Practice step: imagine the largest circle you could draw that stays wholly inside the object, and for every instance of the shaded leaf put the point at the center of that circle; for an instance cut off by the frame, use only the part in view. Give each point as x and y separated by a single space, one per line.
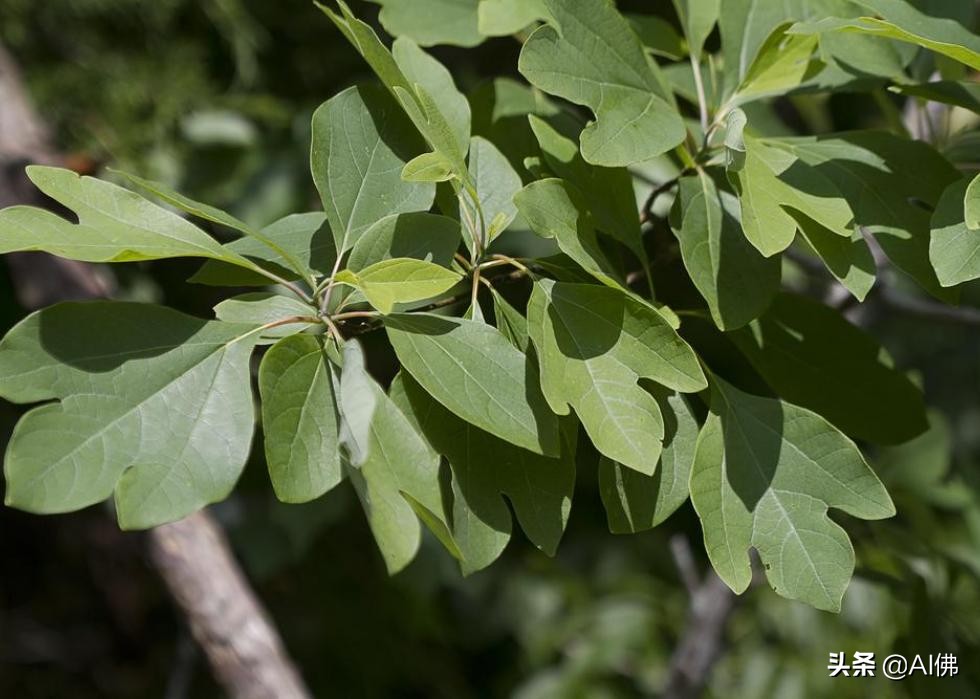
476 373
263 307
149 404
811 356
634 501
556 209
737 282
306 236
361 142
591 56
848 259
300 419
421 236
955 247
594 344
484 470
393 469
897 19
608 192
765 473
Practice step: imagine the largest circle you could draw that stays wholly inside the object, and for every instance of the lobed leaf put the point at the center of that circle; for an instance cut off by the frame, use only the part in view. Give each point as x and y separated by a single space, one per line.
589 55
765 473
149 404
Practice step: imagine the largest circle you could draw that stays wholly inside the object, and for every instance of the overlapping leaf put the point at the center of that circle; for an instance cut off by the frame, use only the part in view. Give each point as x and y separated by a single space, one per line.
634 501
734 278
898 19
114 225
813 357
477 374
361 142
399 280
594 344
486 468
393 469
955 247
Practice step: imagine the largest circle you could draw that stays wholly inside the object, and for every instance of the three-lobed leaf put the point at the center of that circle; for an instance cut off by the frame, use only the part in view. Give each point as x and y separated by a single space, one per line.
765 473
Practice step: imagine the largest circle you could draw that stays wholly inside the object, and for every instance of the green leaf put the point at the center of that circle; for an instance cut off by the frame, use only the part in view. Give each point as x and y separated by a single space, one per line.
698 18
783 63
300 419
955 247
496 184
431 22
423 93
960 94
305 236
506 17
114 224
361 142
476 373
510 322
594 344
400 280
971 204
223 218
557 209
848 259
428 167
765 473
773 185
635 502
394 471
886 180
658 36
608 192
747 24
263 307
737 282
897 19
429 76
485 469
811 356
148 403
591 56
421 236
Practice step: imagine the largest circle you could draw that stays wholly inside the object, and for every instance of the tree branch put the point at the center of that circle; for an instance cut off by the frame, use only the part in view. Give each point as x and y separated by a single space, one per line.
700 645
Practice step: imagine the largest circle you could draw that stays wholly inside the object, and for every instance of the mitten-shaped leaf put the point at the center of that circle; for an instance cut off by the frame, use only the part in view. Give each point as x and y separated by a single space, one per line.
150 404
765 473
590 55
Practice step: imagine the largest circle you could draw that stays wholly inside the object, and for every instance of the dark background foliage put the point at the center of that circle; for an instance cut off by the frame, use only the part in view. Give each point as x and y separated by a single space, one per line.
216 96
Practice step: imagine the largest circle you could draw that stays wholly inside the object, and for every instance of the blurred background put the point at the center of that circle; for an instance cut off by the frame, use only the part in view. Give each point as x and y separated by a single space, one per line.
215 97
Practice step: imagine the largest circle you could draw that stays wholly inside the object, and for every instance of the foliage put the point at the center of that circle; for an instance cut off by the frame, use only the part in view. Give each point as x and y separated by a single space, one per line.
503 356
